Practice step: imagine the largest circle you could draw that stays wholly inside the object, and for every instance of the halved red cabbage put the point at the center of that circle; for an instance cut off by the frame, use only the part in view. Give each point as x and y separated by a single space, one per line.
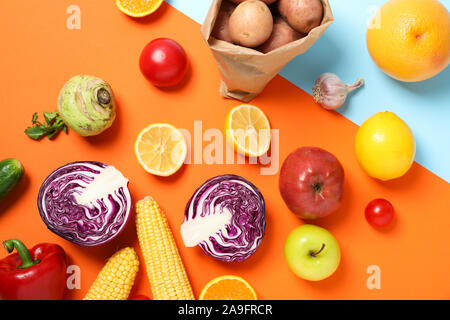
87 203
226 218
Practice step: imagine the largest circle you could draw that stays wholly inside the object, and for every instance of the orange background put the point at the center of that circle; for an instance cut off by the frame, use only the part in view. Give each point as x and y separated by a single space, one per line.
39 54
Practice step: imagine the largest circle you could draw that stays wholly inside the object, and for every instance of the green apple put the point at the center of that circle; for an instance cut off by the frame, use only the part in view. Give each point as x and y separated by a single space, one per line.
312 252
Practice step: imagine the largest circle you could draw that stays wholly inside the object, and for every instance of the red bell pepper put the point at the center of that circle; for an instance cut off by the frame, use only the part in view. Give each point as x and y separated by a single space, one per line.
38 274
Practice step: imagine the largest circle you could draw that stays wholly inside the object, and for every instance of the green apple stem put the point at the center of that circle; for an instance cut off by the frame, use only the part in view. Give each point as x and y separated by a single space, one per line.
315 254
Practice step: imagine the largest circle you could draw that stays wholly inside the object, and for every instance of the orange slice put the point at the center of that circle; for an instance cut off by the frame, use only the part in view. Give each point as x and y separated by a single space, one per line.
138 8
228 288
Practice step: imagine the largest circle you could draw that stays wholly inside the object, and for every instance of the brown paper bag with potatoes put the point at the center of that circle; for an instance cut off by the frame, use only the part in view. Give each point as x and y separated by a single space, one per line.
245 72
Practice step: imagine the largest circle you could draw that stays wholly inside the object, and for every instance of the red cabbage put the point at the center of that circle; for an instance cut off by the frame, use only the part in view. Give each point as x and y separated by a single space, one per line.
87 203
226 217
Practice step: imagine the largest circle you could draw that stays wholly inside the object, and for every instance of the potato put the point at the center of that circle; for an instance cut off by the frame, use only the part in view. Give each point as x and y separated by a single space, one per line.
265 1
221 30
302 15
282 34
251 23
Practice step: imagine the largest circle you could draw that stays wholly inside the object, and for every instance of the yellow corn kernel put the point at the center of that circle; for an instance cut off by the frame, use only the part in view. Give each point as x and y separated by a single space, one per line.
115 280
165 269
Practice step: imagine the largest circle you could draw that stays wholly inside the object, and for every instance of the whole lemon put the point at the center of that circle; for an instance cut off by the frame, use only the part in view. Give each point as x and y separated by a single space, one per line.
410 39
385 146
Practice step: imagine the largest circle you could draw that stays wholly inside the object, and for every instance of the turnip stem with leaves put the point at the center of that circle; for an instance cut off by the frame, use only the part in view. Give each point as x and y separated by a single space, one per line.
52 126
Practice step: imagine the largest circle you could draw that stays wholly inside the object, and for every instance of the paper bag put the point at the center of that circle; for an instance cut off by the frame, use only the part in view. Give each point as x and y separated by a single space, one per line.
245 72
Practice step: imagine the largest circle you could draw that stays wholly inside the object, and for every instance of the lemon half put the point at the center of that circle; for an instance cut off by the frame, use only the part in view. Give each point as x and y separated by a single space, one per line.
161 149
248 129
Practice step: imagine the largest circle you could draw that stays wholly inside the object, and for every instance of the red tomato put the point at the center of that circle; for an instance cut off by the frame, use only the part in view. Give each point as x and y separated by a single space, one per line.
139 297
163 62
379 213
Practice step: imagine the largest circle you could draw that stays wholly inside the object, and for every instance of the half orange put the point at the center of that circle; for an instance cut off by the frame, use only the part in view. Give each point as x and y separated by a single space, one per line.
138 8
228 287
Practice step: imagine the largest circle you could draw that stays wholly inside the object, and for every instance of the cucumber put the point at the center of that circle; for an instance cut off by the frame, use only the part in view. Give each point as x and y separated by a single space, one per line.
11 171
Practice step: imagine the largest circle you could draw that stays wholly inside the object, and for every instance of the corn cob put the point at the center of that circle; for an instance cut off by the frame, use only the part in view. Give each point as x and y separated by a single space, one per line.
165 269
115 280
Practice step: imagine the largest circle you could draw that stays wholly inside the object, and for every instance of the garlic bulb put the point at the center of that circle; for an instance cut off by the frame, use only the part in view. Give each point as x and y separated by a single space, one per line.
86 105
331 92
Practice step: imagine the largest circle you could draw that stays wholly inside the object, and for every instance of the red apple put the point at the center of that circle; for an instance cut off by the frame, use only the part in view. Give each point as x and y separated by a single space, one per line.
311 182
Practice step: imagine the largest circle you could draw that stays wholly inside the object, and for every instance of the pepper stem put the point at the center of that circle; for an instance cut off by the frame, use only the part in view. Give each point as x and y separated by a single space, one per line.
356 85
23 252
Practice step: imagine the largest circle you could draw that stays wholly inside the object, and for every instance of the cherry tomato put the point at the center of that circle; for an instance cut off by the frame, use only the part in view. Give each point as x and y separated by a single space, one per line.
163 62
379 213
139 297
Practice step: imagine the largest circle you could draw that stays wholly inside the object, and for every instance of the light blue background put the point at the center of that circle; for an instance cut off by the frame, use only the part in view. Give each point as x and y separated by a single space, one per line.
425 106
